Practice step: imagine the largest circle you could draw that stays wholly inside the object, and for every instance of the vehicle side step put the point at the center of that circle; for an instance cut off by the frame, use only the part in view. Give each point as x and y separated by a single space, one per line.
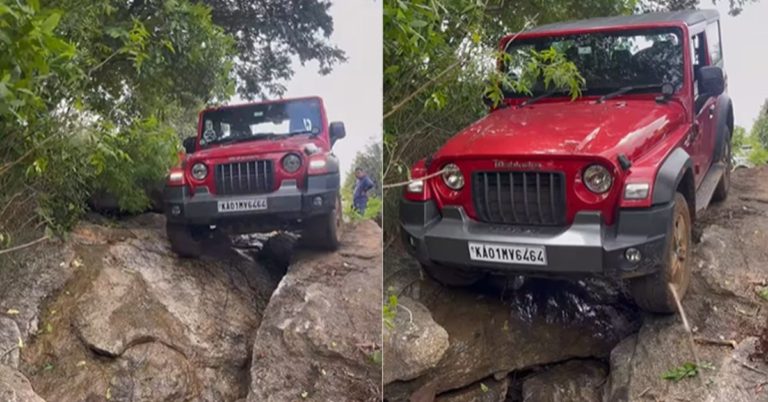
708 186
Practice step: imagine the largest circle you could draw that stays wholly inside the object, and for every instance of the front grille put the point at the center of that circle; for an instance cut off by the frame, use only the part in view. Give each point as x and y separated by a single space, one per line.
521 198
253 177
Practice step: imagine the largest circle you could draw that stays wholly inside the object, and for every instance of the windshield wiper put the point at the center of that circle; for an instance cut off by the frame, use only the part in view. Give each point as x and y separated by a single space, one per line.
628 88
540 97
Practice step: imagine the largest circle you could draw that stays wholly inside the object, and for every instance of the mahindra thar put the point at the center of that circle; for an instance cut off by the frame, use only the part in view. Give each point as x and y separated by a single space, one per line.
257 167
607 185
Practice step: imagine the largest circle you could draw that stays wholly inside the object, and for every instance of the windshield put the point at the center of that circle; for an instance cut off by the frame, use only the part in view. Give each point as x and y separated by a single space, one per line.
610 60
261 121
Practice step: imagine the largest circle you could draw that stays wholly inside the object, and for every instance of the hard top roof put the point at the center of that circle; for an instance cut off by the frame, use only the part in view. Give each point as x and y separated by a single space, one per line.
688 17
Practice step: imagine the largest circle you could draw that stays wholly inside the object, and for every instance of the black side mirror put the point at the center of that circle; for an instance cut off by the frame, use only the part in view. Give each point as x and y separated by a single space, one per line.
189 144
711 81
337 131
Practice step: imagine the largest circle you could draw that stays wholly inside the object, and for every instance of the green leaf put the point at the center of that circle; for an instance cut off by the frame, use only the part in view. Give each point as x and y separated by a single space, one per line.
762 293
51 23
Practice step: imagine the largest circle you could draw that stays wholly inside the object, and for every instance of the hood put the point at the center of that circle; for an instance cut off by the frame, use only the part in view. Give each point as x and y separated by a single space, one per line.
582 127
257 147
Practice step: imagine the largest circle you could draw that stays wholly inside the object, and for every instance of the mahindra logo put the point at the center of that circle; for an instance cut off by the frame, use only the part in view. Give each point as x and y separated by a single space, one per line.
240 158
516 165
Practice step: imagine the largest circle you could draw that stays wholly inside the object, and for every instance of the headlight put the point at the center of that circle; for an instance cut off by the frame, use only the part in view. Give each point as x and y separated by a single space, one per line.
199 171
636 191
453 177
597 179
291 163
416 186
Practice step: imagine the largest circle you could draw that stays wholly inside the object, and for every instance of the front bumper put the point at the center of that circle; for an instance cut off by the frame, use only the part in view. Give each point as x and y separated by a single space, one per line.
287 204
586 247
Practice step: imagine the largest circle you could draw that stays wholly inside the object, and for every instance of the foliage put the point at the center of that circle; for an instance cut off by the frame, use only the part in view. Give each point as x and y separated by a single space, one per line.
735 6
270 34
762 293
389 311
687 370
760 127
738 138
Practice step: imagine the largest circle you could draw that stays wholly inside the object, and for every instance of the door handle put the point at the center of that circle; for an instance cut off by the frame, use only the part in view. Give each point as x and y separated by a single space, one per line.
712 111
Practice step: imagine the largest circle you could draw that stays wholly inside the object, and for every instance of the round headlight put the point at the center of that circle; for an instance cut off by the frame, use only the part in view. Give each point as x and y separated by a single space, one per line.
453 177
597 179
291 163
199 171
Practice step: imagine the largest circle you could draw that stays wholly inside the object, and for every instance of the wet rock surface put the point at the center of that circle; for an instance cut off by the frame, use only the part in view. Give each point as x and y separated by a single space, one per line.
321 332
111 314
532 336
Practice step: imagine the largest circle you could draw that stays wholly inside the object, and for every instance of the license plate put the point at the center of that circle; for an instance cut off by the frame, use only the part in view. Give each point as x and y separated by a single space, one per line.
508 254
251 204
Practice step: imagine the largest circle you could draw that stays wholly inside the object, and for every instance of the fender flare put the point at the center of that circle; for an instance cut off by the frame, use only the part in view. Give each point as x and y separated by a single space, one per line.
724 124
669 176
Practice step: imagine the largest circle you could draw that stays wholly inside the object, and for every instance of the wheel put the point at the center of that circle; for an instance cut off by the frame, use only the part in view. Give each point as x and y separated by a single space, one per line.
324 232
186 240
651 293
721 191
452 276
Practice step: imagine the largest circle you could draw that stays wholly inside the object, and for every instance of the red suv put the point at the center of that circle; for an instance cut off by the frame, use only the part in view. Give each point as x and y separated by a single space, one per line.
257 167
608 184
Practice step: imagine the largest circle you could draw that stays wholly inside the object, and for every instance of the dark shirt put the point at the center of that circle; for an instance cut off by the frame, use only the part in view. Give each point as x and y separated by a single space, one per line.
362 185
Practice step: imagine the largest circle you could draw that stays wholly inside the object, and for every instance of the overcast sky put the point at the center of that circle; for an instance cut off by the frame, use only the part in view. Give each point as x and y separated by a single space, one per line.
353 91
745 51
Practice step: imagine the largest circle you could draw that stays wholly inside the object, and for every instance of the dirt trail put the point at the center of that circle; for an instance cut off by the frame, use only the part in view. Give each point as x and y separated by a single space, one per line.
555 340
111 314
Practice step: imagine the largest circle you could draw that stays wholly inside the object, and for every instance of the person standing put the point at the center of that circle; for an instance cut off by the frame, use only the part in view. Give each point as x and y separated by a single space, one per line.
363 184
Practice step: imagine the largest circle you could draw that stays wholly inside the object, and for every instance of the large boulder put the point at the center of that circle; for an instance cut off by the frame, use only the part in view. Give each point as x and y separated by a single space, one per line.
321 332
413 344
136 323
14 387
494 333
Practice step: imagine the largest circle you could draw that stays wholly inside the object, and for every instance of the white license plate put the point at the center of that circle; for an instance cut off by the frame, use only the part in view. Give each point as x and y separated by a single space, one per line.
508 254
250 204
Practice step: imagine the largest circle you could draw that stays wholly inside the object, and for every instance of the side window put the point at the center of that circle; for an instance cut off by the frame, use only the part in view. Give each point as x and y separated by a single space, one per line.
699 58
713 42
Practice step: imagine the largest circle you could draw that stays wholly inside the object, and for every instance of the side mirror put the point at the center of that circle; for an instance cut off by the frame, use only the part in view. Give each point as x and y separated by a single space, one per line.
337 131
189 144
711 81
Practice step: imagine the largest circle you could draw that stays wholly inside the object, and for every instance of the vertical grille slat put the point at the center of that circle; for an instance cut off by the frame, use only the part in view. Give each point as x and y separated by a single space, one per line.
240 178
520 197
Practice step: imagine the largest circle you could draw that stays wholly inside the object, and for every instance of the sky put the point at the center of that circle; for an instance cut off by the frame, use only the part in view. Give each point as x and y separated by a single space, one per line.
745 52
352 92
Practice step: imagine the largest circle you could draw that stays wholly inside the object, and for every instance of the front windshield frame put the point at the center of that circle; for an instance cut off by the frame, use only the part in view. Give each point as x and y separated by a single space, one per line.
261 121
544 41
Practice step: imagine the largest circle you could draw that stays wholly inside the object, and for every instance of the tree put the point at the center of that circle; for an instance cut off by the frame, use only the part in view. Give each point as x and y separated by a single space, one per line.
270 33
760 127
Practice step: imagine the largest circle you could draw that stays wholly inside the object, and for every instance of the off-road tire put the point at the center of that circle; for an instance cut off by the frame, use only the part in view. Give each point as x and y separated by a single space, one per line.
186 240
721 191
651 293
324 232
452 277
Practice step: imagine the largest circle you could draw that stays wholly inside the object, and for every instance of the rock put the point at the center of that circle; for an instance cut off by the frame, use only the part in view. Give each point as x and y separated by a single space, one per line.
543 323
575 380
134 319
322 328
488 390
14 387
9 342
414 345
152 372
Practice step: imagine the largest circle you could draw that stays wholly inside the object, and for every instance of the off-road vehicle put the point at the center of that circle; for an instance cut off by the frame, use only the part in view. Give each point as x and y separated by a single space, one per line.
257 167
608 184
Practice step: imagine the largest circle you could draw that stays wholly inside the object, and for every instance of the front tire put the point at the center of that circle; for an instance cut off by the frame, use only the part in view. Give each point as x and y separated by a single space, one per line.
186 240
452 277
651 293
324 232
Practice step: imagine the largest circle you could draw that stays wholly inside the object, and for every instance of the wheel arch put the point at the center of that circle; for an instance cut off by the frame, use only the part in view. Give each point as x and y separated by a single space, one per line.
675 175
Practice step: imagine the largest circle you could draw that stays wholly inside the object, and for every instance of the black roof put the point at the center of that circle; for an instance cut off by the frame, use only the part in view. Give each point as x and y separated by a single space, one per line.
688 17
